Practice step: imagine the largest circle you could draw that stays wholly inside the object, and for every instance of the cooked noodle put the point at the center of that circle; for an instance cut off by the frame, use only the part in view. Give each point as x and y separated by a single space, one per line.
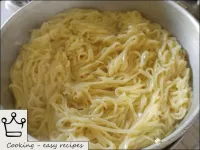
111 78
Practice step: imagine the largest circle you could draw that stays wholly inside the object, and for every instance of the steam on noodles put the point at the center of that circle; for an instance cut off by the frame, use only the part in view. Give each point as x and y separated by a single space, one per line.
111 78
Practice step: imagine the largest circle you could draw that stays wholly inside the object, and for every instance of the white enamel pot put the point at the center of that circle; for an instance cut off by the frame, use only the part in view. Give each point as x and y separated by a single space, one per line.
170 15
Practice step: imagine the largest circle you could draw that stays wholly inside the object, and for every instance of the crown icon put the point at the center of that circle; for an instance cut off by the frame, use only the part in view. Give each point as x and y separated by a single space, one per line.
13 128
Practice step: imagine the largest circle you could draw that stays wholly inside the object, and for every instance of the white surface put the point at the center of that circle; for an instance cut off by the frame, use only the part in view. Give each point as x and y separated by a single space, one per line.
7 10
191 138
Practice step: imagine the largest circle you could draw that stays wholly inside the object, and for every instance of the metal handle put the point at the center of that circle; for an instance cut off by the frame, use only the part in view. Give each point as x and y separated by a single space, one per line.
20 3
191 6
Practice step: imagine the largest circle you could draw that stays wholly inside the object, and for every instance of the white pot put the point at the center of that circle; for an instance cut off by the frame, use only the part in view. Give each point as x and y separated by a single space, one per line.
167 13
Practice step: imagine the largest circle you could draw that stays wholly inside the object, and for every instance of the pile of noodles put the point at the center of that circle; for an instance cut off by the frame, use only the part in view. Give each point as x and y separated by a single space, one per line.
111 78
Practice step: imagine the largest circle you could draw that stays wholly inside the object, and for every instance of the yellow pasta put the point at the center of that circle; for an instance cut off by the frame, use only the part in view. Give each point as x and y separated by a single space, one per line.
114 79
